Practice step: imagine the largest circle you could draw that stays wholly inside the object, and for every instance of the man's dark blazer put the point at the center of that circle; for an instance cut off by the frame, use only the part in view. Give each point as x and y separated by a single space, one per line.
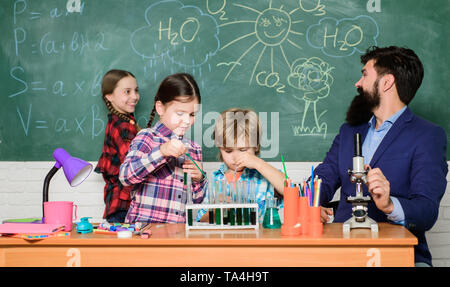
412 156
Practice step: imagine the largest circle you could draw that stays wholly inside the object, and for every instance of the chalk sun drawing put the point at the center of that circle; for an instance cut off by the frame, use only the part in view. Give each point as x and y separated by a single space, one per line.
273 29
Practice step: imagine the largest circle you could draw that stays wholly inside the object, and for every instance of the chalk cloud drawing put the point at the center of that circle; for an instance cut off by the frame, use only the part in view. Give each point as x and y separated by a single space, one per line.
312 78
343 37
186 35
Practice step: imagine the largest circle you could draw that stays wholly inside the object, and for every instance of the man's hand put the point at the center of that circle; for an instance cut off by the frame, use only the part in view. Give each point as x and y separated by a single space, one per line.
325 214
379 188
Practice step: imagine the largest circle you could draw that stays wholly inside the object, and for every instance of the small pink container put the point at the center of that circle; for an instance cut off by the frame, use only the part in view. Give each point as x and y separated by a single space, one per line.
60 212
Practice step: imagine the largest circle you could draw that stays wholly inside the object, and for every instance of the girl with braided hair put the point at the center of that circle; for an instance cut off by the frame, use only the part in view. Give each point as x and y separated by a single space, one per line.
156 161
121 94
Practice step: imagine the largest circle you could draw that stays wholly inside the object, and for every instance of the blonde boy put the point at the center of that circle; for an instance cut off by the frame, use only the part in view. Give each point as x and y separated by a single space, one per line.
237 134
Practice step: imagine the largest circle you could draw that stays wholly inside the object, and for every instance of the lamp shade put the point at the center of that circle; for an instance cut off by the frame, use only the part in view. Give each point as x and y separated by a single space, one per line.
75 169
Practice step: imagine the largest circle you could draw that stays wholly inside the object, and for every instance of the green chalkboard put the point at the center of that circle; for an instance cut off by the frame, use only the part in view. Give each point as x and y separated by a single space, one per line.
295 62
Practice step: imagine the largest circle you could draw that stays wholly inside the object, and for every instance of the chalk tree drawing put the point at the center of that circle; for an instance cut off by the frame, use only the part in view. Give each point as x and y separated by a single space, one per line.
312 77
187 36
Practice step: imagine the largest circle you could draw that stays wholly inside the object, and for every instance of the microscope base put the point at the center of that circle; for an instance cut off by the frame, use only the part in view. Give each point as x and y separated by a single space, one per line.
367 223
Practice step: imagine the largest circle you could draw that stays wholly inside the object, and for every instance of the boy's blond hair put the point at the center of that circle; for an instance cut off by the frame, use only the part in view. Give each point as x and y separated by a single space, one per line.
238 127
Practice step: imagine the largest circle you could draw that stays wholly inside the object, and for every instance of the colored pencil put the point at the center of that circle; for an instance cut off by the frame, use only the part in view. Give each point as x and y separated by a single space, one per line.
284 167
317 196
312 186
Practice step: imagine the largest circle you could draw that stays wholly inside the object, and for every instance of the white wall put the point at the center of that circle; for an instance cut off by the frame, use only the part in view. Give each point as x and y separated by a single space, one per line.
22 183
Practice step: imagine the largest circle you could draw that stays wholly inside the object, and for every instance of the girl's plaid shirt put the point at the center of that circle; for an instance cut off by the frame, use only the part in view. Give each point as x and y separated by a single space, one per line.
159 196
118 136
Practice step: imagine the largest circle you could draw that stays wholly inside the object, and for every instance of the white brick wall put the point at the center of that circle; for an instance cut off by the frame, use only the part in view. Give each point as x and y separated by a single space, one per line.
22 183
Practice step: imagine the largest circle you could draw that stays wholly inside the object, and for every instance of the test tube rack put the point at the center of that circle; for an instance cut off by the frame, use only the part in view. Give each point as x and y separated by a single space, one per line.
222 207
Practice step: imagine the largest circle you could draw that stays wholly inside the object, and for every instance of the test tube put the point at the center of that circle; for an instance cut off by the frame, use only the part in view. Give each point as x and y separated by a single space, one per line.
232 199
188 189
238 188
211 194
245 195
252 199
226 199
217 200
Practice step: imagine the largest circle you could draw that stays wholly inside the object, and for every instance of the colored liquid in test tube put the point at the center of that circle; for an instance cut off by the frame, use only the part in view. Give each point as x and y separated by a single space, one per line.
229 199
238 190
252 199
226 199
188 188
217 200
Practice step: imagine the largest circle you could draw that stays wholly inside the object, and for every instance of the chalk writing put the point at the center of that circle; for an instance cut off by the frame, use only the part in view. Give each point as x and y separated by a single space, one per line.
89 124
58 87
177 35
48 43
341 38
218 11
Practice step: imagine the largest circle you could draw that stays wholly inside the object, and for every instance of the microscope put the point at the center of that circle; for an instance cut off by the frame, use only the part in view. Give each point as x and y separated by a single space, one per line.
358 175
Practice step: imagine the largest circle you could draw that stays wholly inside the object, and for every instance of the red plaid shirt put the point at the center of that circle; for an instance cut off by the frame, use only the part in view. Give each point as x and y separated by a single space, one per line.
118 136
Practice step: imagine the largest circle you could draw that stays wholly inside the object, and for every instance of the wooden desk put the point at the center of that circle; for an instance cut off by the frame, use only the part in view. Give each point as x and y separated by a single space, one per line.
171 246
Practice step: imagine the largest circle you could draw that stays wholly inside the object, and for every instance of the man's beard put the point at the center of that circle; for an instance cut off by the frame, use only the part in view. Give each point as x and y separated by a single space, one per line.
362 106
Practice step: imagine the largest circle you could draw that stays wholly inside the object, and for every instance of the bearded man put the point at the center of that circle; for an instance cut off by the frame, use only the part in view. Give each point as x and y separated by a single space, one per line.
405 154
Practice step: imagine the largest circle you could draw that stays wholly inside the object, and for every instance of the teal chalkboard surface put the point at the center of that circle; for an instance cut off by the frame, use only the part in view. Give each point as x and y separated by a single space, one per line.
295 62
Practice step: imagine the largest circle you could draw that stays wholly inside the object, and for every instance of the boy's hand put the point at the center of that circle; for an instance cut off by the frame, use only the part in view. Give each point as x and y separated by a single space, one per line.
190 168
248 160
173 148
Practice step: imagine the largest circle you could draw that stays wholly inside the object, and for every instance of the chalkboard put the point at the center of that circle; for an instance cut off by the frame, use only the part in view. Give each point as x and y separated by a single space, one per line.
294 62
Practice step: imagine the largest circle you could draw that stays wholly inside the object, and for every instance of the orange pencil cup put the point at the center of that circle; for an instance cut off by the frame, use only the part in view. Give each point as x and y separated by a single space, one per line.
290 225
315 226
303 214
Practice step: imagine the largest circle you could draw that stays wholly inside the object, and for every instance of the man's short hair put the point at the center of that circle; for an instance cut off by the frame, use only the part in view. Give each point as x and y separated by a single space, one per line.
402 63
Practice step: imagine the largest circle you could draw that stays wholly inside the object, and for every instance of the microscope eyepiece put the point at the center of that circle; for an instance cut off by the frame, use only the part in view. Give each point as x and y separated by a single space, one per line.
358 145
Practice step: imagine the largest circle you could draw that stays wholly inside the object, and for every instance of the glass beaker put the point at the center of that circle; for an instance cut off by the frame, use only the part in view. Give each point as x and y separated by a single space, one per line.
271 216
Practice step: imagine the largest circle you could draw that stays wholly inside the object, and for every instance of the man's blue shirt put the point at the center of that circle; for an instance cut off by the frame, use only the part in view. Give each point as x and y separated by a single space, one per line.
371 142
